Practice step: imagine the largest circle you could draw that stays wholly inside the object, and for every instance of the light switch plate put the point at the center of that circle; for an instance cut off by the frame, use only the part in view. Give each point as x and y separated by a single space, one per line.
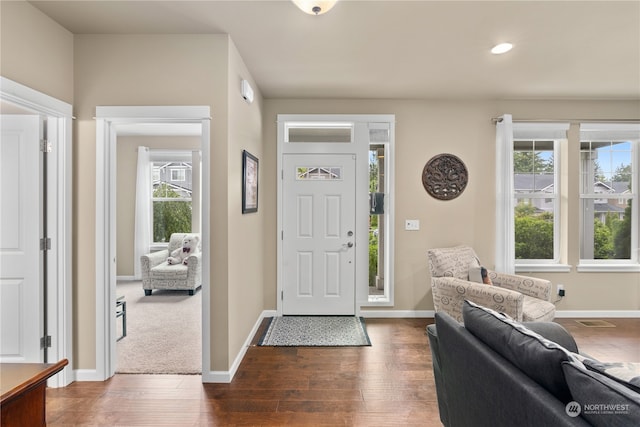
412 224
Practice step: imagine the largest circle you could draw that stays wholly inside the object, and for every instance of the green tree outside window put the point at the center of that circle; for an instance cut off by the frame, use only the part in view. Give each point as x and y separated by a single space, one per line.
169 216
533 233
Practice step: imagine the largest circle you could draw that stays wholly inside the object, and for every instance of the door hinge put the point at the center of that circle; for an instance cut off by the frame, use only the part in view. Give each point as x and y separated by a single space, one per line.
281 295
45 146
282 235
45 244
45 342
281 173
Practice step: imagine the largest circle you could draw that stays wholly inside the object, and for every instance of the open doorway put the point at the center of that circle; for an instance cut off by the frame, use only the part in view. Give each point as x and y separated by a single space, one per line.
158 329
113 123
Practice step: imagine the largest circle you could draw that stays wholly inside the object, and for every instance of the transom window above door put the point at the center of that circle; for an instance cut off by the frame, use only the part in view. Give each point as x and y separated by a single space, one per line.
300 132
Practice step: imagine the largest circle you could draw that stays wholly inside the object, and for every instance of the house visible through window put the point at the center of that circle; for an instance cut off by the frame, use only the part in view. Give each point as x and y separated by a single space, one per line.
171 197
608 192
536 207
178 174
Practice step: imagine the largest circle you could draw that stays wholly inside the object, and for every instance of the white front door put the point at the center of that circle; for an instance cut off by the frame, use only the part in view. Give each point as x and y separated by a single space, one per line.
20 278
319 215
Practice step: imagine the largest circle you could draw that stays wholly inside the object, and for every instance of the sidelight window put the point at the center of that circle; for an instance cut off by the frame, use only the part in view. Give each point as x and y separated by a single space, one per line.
380 227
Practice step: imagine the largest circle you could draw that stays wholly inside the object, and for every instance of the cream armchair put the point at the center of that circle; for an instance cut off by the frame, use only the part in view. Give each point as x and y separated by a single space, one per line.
525 299
158 274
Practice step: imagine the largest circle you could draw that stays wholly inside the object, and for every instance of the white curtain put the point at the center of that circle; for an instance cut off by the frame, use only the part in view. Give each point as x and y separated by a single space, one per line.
142 240
505 246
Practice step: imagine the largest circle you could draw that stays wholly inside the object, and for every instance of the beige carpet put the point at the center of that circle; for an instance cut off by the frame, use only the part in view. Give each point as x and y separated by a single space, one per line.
163 332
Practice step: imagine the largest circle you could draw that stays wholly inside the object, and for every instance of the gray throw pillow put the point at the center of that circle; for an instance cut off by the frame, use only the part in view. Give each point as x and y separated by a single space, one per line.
539 358
554 332
627 374
603 402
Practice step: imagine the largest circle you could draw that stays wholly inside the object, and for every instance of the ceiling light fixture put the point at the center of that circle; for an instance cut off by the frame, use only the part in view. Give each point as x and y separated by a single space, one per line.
315 7
501 48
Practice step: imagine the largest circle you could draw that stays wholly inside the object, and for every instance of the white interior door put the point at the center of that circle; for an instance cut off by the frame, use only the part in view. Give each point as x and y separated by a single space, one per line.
319 214
20 281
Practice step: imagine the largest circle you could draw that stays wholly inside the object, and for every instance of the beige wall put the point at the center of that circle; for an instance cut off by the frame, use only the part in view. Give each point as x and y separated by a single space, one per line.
127 161
134 70
247 232
36 51
464 128
162 70
151 70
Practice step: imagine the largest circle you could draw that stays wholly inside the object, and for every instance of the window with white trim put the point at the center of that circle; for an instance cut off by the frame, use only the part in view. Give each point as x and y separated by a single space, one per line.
537 201
380 213
171 194
536 190
609 163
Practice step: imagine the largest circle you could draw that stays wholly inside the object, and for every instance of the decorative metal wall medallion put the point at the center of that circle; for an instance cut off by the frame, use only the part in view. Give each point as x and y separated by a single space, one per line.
445 176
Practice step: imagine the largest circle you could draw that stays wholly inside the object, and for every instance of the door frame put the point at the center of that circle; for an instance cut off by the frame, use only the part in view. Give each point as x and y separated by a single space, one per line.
360 148
59 115
107 120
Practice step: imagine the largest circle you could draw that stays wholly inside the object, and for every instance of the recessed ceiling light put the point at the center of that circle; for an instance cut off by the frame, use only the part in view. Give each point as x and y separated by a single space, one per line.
501 48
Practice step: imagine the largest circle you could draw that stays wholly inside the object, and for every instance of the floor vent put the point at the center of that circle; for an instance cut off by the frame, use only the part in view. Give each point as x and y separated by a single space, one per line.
596 323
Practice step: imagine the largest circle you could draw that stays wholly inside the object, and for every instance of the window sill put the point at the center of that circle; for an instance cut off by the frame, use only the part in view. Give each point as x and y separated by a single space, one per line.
539 268
608 268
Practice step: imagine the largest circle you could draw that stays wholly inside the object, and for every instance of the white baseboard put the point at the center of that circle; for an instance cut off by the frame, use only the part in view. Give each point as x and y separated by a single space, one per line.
126 278
598 313
221 377
87 375
397 314
227 376
62 378
411 314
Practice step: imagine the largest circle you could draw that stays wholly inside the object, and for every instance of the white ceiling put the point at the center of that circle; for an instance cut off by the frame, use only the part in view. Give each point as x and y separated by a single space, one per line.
402 49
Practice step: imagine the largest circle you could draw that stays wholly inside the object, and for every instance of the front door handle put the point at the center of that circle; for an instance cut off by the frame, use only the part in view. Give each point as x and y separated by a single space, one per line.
346 246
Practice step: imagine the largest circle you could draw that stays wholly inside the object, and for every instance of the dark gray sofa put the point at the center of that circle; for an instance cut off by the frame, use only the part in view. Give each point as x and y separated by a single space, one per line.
492 371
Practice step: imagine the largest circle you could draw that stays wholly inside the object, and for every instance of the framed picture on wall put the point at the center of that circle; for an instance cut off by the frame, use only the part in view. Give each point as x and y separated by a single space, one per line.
249 182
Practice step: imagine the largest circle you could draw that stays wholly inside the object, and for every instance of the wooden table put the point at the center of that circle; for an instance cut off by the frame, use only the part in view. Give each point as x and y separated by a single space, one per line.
23 392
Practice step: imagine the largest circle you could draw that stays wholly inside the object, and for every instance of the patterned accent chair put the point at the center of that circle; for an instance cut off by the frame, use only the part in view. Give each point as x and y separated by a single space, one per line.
524 299
157 274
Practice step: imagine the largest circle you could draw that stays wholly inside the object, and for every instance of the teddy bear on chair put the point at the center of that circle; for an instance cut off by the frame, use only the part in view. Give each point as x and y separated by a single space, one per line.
190 244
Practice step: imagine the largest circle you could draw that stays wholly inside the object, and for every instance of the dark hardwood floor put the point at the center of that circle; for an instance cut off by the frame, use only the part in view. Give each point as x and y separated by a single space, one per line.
388 384
620 343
